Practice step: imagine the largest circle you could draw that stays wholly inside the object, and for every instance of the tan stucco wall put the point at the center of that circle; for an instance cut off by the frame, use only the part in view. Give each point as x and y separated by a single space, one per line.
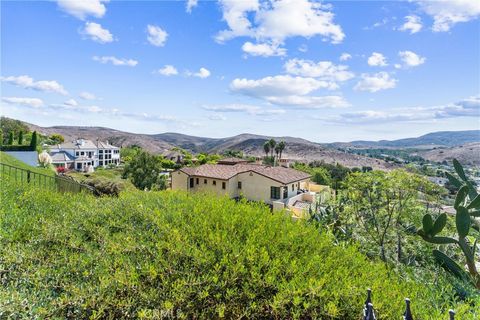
179 181
209 186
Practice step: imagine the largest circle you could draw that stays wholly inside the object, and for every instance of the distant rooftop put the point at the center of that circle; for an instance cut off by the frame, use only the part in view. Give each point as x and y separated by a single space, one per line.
84 144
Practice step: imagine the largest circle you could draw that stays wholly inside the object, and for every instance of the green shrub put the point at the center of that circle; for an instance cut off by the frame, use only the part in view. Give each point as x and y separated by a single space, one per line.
148 254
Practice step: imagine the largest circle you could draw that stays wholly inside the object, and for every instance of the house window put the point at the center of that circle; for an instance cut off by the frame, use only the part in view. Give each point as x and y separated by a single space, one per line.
198 180
293 187
82 153
100 151
275 192
298 185
214 182
77 153
191 182
101 163
204 181
224 185
239 184
285 192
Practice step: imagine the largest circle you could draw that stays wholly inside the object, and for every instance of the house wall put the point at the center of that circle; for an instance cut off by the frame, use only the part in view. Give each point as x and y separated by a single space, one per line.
210 187
256 187
179 181
29 157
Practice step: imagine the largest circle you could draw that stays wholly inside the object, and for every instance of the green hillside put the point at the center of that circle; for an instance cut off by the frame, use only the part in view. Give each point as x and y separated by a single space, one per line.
147 254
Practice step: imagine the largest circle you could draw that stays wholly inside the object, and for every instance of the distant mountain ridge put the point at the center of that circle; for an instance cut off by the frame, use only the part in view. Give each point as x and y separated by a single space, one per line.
297 148
433 139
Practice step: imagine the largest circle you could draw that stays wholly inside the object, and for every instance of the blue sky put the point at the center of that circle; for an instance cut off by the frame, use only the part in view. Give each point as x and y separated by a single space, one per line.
322 70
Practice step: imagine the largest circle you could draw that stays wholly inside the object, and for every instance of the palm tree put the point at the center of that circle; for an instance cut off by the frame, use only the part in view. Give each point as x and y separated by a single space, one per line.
277 150
281 146
272 144
266 148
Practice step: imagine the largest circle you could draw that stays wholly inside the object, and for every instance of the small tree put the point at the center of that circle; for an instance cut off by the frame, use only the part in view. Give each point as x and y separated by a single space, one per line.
20 138
272 144
57 138
1 138
10 138
281 147
145 171
266 148
34 142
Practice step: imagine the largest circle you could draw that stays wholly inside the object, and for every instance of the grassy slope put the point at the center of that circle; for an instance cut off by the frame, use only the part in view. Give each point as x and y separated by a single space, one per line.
194 255
8 159
113 175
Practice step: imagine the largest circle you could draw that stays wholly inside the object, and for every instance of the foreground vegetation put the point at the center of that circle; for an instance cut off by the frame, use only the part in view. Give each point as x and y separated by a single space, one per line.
148 254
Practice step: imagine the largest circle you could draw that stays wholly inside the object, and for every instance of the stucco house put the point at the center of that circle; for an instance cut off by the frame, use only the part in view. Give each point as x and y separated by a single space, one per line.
276 186
83 154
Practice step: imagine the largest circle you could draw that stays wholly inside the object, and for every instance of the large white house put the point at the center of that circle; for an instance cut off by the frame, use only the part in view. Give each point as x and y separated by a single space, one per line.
84 154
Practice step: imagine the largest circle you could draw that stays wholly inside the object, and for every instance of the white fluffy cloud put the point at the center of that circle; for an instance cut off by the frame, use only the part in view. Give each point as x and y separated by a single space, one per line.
116 61
377 60
411 59
202 73
245 108
375 82
167 70
263 49
191 4
28 102
96 32
27 82
217 117
287 90
275 21
325 70
83 8
345 56
71 102
413 24
156 35
446 14
87 95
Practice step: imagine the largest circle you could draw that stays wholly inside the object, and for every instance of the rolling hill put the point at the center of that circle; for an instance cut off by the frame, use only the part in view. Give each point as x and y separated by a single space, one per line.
437 146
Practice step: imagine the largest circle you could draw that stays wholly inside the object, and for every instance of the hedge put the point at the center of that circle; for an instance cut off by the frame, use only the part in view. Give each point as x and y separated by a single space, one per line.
17 148
148 255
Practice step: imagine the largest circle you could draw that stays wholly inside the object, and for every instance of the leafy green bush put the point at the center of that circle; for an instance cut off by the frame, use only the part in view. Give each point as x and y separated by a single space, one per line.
152 254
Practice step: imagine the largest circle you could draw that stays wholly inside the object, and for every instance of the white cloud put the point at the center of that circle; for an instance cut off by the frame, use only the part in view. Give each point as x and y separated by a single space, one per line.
27 82
96 32
87 95
217 117
281 85
156 35
71 102
324 70
202 73
411 59
413 24
167 70
377 59
83 8
263 49
469 107
116 61
345 56
245 108
191 4
375 82
278 20
28 102
311 102
448 13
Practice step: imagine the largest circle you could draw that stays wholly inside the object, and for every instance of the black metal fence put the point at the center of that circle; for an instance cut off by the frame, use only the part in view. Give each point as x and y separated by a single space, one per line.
56 182
369 311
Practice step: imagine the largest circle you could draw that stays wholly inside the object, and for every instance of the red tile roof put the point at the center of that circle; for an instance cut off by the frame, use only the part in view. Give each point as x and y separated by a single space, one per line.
225 172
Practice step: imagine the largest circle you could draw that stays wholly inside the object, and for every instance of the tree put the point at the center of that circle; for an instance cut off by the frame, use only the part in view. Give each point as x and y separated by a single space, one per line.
1 138
266 148
272 144
10 138
8 125
277 150
34 142
145 171
20 138
281 146
321 176
56 138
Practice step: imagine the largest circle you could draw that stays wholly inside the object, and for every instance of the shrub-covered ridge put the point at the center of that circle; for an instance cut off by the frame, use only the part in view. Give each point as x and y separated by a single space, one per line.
154 254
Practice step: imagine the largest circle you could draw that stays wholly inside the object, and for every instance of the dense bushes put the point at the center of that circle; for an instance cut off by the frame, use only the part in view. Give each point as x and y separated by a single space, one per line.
147 254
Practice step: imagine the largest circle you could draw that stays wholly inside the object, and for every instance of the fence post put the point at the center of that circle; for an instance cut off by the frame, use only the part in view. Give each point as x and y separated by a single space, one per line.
408 313
28 176
452 314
